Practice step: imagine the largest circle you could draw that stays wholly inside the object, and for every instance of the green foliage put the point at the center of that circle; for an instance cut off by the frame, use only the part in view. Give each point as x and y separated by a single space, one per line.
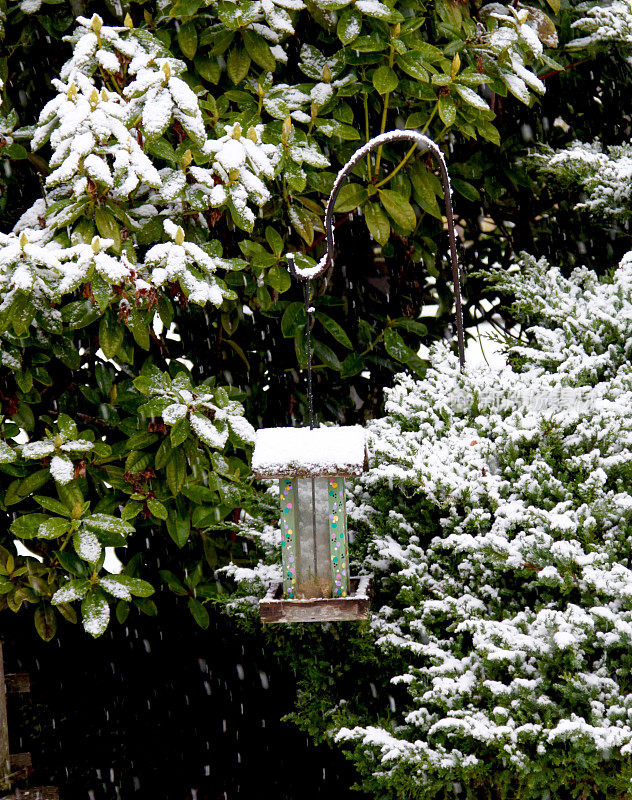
181 155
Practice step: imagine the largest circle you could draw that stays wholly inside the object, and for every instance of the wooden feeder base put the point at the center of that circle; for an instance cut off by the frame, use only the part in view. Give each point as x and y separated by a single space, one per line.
355 607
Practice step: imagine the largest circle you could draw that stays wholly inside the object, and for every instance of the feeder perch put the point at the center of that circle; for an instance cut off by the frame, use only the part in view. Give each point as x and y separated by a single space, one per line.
311 466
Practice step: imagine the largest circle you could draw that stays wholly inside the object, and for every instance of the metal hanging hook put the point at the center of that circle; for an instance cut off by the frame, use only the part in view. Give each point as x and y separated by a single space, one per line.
309 273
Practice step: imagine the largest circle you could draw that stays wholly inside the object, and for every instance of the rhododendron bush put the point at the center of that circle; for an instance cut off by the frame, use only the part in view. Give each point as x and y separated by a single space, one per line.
182 151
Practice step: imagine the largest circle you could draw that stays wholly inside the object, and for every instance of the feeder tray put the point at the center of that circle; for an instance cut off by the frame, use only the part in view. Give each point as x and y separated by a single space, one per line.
273 608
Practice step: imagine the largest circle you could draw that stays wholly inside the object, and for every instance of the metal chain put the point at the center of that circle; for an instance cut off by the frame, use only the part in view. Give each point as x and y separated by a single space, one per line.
308 347
310 404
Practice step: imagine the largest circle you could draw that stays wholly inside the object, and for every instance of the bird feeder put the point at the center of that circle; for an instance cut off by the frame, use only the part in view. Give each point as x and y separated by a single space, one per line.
312 463
311 466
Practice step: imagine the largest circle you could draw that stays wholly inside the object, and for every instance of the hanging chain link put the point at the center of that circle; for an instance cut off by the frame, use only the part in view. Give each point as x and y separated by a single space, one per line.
308 347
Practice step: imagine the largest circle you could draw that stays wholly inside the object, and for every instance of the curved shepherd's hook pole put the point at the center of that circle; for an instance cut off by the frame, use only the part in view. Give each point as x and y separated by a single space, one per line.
309 273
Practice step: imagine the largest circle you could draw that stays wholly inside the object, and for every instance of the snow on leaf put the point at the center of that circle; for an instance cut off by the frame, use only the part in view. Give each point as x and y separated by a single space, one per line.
174 412
53 528
7 453
190 266
87 546
208 432
62 469
38 449
115 588
95 613
77 446
73 590
240 426
106 523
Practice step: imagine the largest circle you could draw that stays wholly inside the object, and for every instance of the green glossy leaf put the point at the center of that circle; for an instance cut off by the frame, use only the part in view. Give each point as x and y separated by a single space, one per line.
466 189
146 606
352 365
411 64
122 611
325 354
385 80
447 109
25 487
178 527
50 504
293 320
395 345
489 131
471 98
106 523
173 583
199 613
333 128
45 622
350 197
302 223
188 39
185 8
111 333
79 314
275 241
27 526
179 432
108 227
7 453
73 590
164 453
399 209
139 328
131 509
411 325
176 471
237 65
377 222
259 51
208 68
332 327
349 25
279 279
136 586
157 509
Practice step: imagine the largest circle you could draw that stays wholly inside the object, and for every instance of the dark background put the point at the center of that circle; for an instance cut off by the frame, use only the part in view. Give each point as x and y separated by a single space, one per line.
160 709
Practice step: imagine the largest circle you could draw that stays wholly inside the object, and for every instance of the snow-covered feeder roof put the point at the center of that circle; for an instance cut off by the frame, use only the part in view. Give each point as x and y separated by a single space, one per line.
301 453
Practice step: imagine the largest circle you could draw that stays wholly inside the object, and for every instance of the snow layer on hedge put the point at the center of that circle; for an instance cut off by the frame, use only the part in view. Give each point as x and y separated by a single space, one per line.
607 23
604 176
499 502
